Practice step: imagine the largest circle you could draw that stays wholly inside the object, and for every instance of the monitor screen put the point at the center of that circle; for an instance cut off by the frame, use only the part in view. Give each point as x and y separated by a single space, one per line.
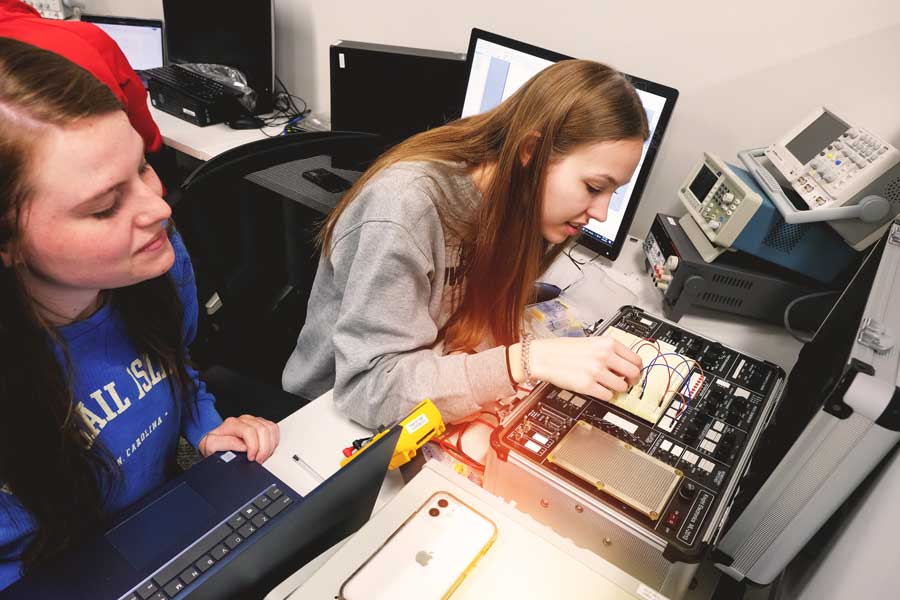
141 40
819 134
498 66
235 33
703 183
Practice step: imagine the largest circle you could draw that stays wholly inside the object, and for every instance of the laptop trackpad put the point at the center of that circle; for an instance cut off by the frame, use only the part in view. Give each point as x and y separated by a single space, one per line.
163 528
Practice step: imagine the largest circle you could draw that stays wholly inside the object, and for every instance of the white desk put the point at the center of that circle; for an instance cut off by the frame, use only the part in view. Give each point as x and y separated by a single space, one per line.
522 546
203 142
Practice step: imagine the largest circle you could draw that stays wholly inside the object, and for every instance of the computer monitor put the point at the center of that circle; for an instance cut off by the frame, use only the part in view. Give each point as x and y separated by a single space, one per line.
141 40
498 66
236 33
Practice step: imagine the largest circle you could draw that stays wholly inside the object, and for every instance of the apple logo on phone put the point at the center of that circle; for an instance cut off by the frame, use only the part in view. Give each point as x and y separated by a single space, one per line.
423 557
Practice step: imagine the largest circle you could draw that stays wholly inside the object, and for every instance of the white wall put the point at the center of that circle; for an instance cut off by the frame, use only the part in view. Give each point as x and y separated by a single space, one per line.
746 71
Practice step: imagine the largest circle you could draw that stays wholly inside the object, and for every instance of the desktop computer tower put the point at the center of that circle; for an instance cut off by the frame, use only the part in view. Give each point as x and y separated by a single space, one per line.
192 108
394 91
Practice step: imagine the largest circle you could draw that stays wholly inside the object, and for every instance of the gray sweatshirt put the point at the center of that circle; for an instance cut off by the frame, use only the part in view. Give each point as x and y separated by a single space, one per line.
379 300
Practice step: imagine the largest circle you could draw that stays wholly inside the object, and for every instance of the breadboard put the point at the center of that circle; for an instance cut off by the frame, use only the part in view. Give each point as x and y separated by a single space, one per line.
650 402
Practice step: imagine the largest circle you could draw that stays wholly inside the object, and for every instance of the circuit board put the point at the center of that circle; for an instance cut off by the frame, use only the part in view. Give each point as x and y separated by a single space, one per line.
701 423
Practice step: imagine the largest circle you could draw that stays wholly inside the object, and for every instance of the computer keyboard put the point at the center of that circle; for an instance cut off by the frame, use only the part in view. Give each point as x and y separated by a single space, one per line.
191 83
173 578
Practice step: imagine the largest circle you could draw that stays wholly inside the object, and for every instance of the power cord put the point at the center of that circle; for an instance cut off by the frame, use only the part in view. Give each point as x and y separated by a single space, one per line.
285 110
792 304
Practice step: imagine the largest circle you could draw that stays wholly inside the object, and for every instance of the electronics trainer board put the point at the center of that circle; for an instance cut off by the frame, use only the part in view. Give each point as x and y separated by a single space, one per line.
646 479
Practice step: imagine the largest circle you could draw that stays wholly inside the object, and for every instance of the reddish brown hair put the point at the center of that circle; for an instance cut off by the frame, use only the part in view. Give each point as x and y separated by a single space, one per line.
565 106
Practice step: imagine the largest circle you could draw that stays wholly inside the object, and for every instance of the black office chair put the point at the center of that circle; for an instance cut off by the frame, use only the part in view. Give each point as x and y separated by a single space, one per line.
255 258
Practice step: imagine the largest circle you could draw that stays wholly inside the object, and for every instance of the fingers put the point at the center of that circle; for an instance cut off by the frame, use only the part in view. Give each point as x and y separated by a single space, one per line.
600 392
267 437
627 353
259 436
213 443
239 427
276 432
608 384
617 370
612 382
625 368
597 366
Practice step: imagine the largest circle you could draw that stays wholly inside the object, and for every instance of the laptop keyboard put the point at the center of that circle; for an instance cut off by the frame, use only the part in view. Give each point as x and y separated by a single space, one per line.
190 83
173 578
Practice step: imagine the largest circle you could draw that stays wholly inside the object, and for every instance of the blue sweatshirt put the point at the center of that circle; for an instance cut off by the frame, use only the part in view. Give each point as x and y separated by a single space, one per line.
127 403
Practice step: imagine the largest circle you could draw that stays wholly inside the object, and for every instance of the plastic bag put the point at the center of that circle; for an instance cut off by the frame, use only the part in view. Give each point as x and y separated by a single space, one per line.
230 77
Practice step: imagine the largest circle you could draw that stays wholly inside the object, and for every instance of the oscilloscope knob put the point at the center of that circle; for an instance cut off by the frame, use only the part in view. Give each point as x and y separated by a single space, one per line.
672 263
713 225
728 198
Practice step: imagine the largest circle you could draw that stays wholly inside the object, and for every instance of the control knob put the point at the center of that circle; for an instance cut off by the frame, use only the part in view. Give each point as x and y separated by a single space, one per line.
687 491
672 263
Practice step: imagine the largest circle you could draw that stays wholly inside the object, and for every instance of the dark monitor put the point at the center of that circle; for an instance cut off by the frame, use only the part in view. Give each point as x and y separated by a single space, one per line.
140 40
498 66
821 367
236 33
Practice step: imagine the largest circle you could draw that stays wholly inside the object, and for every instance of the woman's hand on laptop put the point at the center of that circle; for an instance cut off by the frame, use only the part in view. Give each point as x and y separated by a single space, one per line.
253 435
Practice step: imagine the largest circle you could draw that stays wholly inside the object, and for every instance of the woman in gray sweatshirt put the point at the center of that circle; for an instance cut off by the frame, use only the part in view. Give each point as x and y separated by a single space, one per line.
429 260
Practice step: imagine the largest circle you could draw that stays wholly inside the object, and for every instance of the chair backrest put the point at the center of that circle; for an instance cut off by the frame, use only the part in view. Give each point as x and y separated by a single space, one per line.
253 250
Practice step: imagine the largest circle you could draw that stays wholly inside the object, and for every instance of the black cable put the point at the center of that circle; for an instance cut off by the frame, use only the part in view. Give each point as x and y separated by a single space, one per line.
291 97
578 265
284 110
357 444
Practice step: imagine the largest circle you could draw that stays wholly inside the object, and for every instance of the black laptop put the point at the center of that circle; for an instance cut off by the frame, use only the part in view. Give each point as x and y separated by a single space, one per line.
226 528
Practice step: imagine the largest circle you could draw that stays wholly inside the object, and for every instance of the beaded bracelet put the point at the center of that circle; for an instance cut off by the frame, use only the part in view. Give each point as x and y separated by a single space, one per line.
526 358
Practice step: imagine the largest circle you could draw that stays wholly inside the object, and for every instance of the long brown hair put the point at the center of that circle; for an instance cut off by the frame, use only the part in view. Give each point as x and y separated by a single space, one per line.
44 458
569 104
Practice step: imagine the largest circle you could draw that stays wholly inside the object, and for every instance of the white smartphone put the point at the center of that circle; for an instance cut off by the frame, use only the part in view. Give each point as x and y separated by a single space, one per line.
428 556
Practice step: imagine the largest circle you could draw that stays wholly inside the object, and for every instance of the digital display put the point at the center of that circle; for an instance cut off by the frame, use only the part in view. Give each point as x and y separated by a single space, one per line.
816 137
703 183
